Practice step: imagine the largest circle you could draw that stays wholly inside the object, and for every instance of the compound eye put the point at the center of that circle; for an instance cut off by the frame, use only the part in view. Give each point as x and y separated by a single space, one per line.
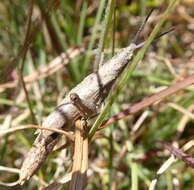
74 97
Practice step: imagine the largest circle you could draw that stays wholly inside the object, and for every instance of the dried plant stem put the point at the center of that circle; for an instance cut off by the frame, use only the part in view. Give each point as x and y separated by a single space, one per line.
84 166
167 164
56 184
149 101
80 158
48 69
15 170
183 122
25 49
182 110
14 129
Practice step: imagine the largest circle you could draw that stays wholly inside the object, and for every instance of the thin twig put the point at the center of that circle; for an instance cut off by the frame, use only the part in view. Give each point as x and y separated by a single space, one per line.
14 129
179 154
149 101
56 184
167 164
25 47
139 122
17 171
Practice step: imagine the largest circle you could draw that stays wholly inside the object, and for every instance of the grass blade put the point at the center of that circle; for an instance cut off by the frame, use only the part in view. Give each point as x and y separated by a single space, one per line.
130 68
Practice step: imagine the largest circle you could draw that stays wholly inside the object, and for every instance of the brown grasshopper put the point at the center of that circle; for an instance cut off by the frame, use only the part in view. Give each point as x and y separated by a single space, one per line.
83 100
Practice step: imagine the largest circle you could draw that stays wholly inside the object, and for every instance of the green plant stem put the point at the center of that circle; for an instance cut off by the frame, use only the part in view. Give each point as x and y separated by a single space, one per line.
26 46
82 22
94 35
130 68
107 21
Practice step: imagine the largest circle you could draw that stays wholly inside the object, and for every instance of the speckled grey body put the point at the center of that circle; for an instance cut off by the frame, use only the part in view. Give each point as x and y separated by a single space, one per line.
92 92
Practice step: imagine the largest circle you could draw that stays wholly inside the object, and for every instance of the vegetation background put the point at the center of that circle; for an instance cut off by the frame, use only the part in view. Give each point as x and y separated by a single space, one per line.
128 154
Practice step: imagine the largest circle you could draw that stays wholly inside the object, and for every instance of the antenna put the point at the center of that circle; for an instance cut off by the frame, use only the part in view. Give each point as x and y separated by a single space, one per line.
157 37
136 37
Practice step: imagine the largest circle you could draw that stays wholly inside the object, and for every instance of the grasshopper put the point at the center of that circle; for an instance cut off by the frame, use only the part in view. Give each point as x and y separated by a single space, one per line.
85 99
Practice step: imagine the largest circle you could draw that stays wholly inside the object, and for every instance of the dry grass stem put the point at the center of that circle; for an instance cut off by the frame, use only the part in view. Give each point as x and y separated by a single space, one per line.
182 110
139 122
80 158
150 100
184 120
46 70
168 163
17 171
14 129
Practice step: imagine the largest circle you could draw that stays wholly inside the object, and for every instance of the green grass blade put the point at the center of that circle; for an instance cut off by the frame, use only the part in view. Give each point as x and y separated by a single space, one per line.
107 21
130 68
82 22
58 31
134 176
94 34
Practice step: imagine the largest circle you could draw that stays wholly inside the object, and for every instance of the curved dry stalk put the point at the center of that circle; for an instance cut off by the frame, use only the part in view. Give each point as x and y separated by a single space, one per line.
14 129
11 170
17 171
